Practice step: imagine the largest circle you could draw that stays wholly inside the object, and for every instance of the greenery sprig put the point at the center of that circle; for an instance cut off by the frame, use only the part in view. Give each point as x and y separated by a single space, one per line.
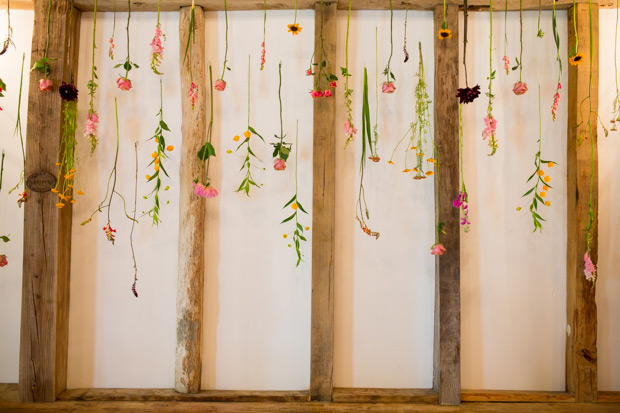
18 131
123 82
324 79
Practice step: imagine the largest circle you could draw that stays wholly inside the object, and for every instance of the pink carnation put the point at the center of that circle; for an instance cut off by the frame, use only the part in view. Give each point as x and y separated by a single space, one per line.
332 84
123 83
279 164
204 191
388 87
220 85
3 260
91 124
438 249
45 85
590 268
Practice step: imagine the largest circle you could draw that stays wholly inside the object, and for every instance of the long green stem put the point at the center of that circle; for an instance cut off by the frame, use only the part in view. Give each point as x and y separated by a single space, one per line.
521 40
226 35
128 18
280 99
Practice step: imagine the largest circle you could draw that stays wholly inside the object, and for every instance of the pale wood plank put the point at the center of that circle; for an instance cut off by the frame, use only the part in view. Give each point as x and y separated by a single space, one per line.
228 396
581 353
516 396
323 221
190 281
363 395
47 230
17 4
447 344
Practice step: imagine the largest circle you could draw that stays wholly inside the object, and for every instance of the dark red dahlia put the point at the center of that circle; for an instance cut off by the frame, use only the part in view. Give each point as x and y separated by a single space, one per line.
68 92
468 94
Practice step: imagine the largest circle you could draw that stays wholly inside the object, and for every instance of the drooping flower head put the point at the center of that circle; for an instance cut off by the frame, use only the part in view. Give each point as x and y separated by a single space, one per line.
123 83
68 92
438 249
590 268
204 191
294 28
388 87
45 85
519 88
220 85
444 34
279 164
576 59
192 93
506 64
468 94
3 260
91 124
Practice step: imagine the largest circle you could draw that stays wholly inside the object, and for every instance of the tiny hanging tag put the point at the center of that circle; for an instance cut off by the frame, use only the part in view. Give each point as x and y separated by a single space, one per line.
40 181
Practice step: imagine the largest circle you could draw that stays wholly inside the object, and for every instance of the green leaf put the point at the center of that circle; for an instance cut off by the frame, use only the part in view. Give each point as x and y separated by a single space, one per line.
528 192
288 219
206 151
4 238
291 201
251 129
301 208
163 125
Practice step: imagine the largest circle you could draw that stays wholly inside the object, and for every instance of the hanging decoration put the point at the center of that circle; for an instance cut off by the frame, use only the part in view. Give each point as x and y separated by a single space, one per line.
295 28
295 204
192 93
506 59
540 32
467 94
263 51
111 40
123 82
520 87
202 183
556 38
374 156
489 121
157 48
438 248
444 32
133 224
615 118
23 196
92 119
574 56
405 40
349 127
4 261
361 208
419 133
43 64
9 32
220 84
324 77
388 85
281 149
461 201
540 177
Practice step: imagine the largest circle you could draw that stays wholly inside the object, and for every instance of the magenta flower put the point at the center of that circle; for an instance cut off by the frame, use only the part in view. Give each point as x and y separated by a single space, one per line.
590 268
519 88
262 56
3 260
204 191
388 87
491 126
279 164
317 93
91 124
327 93
45 85
556 101
123 83
438 249
220 85
193 94
309 72
332 84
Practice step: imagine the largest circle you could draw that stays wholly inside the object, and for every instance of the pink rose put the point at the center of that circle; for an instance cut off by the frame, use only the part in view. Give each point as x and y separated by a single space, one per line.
327 93
279 164
519 88
45 85
123 83
3 260
220 85
332 84
388 87
438 249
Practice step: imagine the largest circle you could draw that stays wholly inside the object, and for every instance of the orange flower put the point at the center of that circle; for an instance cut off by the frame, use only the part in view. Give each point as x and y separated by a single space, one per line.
390 163
543 194
550 164
60 205
576 59
547 179
307 228
406 170
247 134
547 203
294 205
170 148
80 192
154 154
148 177
545 188
540 173
236 138
156 167
54 190
284 235
294 28
429 173
431 160
444 34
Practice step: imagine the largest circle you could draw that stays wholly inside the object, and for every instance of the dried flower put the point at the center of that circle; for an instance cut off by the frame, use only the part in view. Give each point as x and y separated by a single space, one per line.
193 94
111 50
332 84
556 101
109 232
327 93
68 92
262 56
3 260
506 64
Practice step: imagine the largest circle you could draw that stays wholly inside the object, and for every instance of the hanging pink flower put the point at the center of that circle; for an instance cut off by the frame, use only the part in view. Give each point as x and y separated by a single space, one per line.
332 84
317 93
262 56
349 129
91 124
220 85
388 87
590 268
193 94
506 64
519 88
111 50
45 85
309 72
204 191
438 249
556 101
123 83
3 260
279 164
327 93
157 49
491 126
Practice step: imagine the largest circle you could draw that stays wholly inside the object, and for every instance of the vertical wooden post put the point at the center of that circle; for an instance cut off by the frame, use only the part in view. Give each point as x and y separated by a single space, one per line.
447 344
47 229
190 285
323 219
581 364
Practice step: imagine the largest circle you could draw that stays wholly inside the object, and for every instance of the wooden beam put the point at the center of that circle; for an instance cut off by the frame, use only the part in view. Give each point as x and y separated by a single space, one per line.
47 229
169 395
323 219
361 395
447 344
581 357
190 284
516 396
608 397
17 4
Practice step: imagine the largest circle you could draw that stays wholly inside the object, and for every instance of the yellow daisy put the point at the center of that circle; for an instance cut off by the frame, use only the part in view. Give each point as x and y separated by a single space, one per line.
294 28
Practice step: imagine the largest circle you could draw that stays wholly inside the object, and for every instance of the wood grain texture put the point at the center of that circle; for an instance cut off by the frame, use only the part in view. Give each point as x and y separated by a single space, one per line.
447 343
47 230
190 284
609 397
362 395
220 396
581 353
211 5
323 219
516 396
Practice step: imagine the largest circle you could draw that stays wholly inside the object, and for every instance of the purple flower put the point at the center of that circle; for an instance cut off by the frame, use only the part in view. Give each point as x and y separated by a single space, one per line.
468 94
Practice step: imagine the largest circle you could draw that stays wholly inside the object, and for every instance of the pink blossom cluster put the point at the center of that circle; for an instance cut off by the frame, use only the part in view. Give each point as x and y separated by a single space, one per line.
91 124
461 202
388 87
490 127
556 101
111 50
193 94
590 268
262 56
279 164
506 64
3 260
204 191
321 93
349 130
157 49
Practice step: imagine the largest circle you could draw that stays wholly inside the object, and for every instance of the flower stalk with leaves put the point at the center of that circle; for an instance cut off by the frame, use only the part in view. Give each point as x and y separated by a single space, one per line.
466 94
157 48
461 201
23 197
92 119
9 32
556 39
43 64
111 39
444 32
438 248
263 51
349 127
192 93
281 149
489 121
405 38
324 78
202 183
294 28
520 87
123 82
388 85
575 58
220 84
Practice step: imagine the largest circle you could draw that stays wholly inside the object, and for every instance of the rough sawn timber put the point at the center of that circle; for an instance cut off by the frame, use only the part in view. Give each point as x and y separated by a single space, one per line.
323 219
190 285
47 230
581 354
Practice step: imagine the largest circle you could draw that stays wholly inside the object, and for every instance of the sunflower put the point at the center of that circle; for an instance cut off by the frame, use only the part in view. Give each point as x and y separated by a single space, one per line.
444 34
576 59
294 28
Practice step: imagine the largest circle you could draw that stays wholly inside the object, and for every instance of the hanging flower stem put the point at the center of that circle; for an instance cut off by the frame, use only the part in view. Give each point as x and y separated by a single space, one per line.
281 149
506 59
324 71
461 202
133 224
375 133
263 51
405 40
540 32
202 183
92 119
349 127
123 82
18 131
388 85
490 121
43 64
437 248
556 38
157 49
220 84
111 40
9 32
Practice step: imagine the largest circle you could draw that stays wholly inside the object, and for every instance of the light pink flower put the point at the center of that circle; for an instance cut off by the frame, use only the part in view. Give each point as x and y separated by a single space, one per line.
220 85
3 260
123 83
111 50
327 93
204 191
519 88
332 84
506 64
388 87
491 126
193 94
279 164
45 85
91 124
262 56
590 268
556 101
438 249
349 129
157 49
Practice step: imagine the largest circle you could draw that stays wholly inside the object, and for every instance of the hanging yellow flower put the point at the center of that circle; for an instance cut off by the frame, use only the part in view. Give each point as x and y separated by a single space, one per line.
444 34
576 59
294 28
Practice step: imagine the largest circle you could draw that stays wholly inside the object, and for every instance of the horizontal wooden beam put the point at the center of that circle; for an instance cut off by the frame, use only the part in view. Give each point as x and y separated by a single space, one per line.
214 5
516 396
608 397
362 395
168 395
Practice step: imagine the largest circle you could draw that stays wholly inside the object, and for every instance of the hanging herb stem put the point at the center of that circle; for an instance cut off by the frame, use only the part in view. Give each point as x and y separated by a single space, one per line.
92 119
349 127
281 149
9 35
540 32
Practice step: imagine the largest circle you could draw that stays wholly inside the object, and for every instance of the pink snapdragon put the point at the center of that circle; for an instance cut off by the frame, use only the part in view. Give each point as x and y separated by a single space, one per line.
157 49
111 49
193 94
220 85
438 249
506 64
91 124
388 87
123 83
279 164
45 85
556 101
491 126
349 129
590 268
204 191
461 203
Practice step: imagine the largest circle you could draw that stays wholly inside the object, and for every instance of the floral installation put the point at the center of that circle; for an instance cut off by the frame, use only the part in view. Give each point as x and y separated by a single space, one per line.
444 32
616 112
92 119
157 48
540 177
520 87
361 209
556 38
405 39
123 82
323 75
349 127
295 28
374 139
9 32
133 224
248 180
490 122
295 204
43 64
220 84
263 51
159 155
3 258
192 93
388 85
438 248
419 133
67 157
506 59
23 196
108 230
202 183
281 149
111 39
461 201
466 94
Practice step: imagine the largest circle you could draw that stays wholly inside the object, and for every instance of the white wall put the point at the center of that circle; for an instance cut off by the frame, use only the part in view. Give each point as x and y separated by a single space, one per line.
257 304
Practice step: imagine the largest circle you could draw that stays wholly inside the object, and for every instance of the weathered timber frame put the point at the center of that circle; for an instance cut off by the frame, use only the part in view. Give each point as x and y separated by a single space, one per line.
47 240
